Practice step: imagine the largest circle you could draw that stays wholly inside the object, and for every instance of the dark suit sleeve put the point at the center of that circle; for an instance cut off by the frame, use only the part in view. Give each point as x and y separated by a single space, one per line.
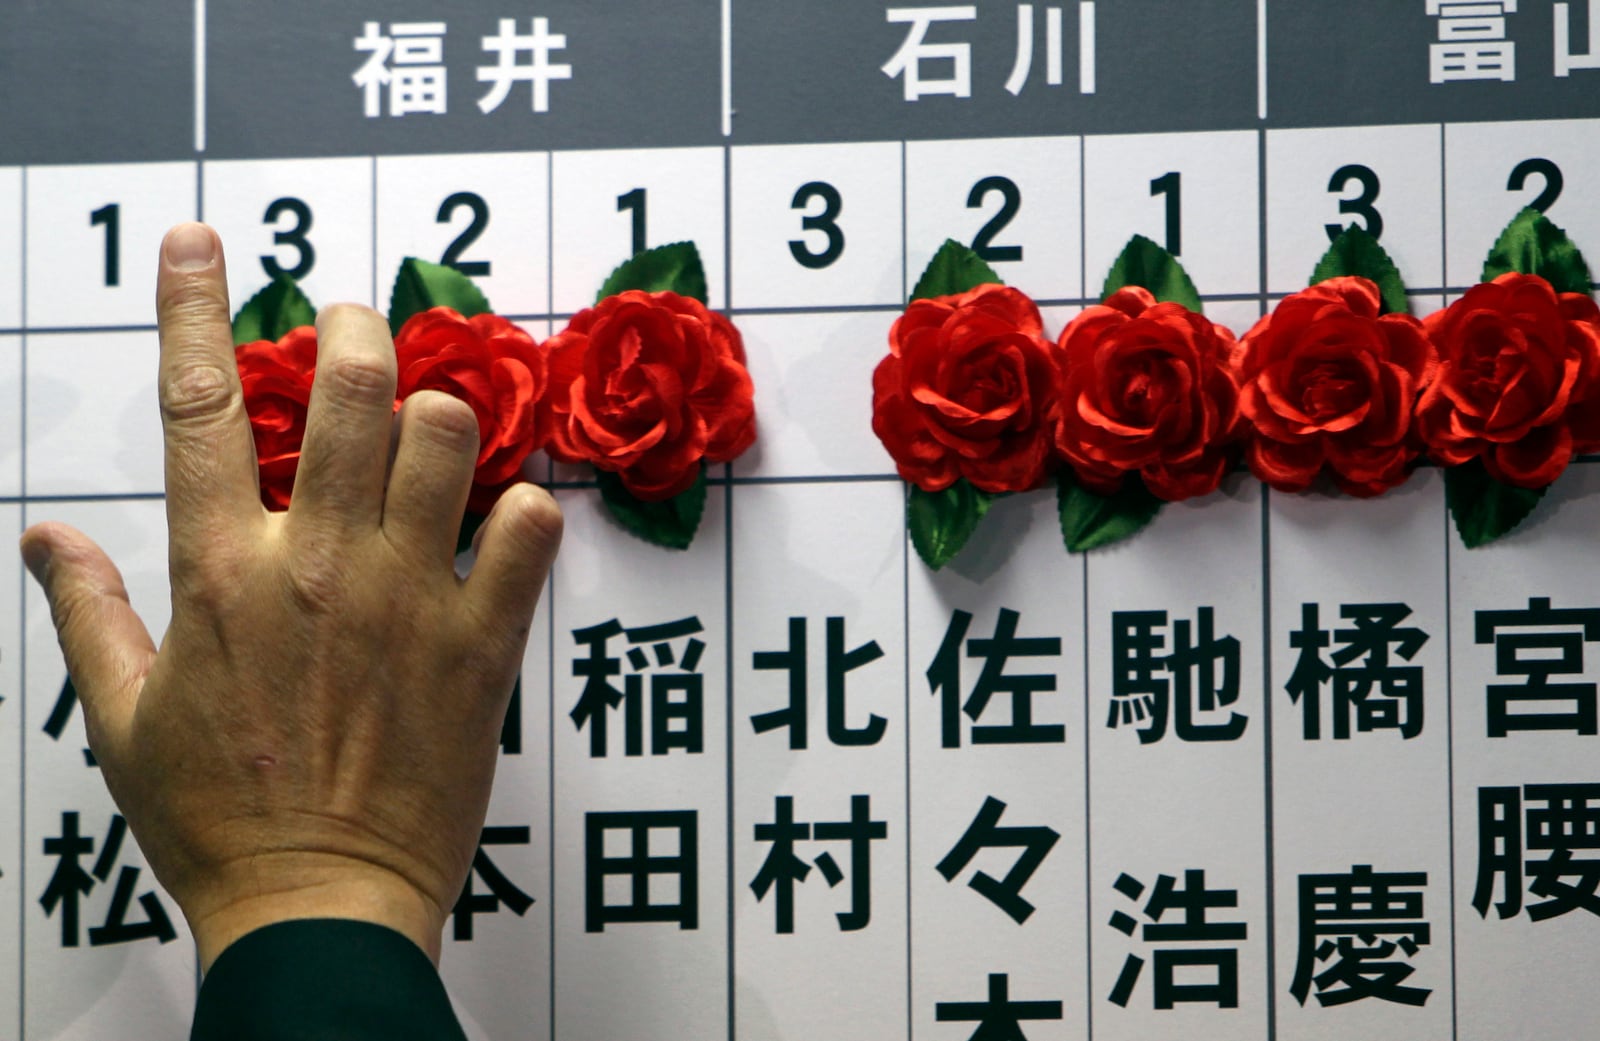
324 980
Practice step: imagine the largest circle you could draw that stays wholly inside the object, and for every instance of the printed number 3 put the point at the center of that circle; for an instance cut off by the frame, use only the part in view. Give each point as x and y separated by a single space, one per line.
1361 205
295 237
825 222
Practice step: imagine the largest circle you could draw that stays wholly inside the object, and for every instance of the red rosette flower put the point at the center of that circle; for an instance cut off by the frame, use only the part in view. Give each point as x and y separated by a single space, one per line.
1519 380
276 378
968 390
1329 383
647 386
1146 388
493 366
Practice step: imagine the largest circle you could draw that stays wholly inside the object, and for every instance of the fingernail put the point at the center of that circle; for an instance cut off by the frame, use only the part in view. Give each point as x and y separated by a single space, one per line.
190 247
36 555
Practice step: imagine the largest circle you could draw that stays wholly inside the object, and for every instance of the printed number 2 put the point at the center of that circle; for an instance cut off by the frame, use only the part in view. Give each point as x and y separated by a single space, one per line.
1361 205
110 217
295 236
1010 203
825 222
464 241
1553 181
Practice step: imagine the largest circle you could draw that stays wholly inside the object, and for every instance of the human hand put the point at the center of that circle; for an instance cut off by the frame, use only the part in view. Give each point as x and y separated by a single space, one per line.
316 736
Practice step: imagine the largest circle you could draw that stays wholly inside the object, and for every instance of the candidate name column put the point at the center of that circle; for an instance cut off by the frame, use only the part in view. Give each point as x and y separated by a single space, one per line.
1360 746
1177 866
1525 621
98 113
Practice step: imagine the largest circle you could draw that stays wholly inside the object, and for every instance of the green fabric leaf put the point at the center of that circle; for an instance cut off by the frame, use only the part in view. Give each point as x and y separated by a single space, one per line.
422 284
672 268
1089 521
271 313
942 522
1356 253
954 269
670 523
1532 245
1143 263
1485 509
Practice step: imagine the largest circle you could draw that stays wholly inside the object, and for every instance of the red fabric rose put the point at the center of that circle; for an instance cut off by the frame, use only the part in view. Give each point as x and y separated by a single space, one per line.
647 385
1327 382
494 367
1517 386
968 390
277 389
1146 387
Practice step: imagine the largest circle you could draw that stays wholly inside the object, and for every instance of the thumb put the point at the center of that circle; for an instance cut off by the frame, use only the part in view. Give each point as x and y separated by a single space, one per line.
107 647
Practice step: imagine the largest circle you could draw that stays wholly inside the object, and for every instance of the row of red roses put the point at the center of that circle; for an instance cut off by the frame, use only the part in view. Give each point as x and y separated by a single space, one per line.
647 385
1152 393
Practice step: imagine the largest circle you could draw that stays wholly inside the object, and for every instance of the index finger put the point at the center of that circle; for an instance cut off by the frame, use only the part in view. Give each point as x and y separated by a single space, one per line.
211 475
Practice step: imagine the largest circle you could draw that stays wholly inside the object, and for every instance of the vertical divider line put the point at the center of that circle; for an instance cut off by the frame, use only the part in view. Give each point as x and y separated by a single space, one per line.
1266 765
199 75
905 588
550 700
1088 831
1449 615
727 68
22 654
375 236
728 565
1261 59
1269 807
1450 766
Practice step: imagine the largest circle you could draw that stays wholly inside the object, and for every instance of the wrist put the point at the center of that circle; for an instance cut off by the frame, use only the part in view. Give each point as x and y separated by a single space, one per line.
316 890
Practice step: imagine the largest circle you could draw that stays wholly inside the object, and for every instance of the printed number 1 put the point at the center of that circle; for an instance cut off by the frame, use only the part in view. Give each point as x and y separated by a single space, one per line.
1171 185
634 203
110 217
825 222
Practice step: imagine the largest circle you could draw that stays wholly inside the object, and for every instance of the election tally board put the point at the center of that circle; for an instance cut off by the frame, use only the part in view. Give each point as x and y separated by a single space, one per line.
1281 766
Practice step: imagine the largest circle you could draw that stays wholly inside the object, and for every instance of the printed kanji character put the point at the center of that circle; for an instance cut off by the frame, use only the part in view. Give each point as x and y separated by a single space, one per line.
502 892
1023 65
944 680
1472 41
907 62
55 723
409 61
1191 687
782 868
1383 695
655 845
69 883
1550 643
985 832
840 663
677 689
1360 922
1566 59
1554 819
539 71
1196 902
999 1018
